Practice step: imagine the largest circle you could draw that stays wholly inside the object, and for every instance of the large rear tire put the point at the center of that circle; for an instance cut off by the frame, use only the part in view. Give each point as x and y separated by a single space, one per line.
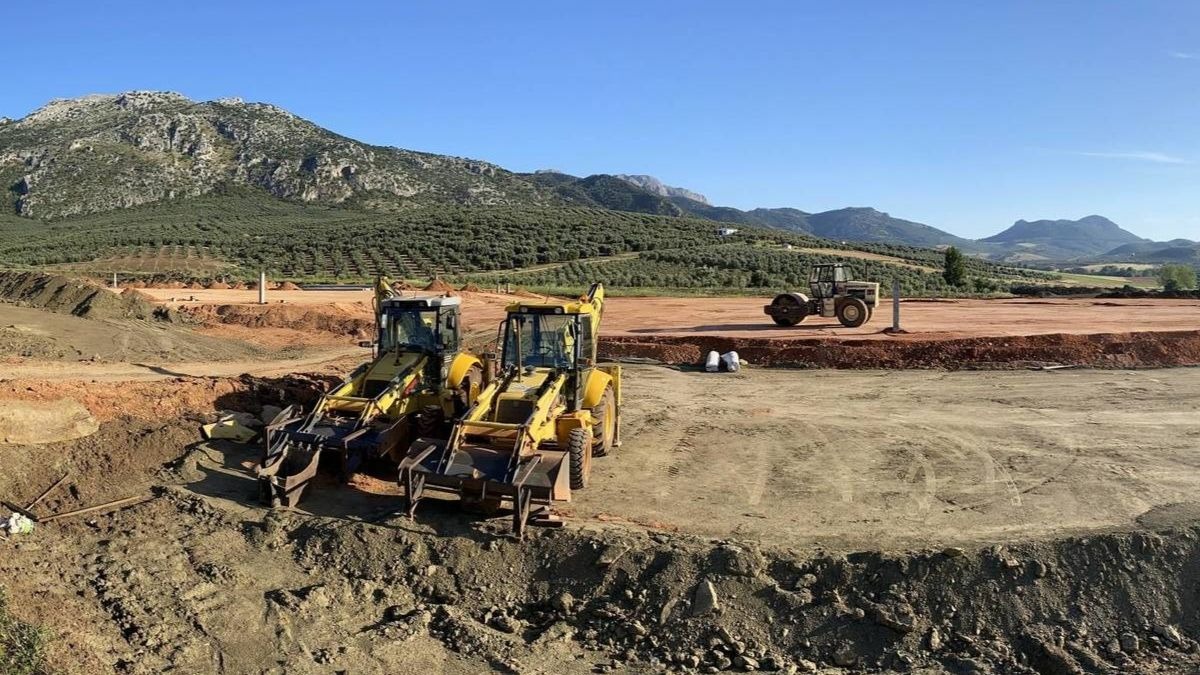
579 451
605 429
793 310
852 312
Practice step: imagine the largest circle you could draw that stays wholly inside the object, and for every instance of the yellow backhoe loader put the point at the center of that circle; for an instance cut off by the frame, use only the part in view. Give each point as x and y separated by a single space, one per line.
530 437
416 384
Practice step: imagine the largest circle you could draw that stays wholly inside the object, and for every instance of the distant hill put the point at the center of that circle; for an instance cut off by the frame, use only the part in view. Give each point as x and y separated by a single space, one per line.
103 152
1063 239
655 186
1176 250
604 191
867 224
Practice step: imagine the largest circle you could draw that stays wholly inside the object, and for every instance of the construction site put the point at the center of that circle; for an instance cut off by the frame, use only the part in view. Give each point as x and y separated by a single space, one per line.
373 480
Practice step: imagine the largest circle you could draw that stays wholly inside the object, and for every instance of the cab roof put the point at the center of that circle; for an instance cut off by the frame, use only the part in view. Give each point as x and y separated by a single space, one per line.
422 303
559 307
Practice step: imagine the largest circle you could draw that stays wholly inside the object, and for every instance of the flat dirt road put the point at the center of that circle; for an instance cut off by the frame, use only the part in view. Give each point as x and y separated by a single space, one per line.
743 317
868 460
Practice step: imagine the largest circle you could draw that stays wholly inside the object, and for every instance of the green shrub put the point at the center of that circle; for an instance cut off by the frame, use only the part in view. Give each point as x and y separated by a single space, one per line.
22 645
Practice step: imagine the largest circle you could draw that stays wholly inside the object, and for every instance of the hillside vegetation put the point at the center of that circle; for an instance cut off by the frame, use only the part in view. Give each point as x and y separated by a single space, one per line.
237 233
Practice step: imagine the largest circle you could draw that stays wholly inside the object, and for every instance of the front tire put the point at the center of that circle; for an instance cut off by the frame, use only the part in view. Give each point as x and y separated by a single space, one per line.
605 429
579 452
852 312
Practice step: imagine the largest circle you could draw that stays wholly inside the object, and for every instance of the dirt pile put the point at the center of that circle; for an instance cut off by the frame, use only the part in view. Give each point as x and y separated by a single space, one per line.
470 288
438 286
70 296
1118 602
339 318
1103 350
286 286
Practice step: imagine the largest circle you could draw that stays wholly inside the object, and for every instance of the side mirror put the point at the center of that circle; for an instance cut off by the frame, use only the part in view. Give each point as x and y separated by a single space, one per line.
366 344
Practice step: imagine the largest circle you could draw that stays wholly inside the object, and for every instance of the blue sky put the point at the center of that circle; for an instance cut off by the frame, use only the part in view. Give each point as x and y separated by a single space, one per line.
963 115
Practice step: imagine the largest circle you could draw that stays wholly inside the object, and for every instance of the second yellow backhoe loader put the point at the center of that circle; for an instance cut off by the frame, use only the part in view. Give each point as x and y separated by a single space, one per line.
529 438
416 384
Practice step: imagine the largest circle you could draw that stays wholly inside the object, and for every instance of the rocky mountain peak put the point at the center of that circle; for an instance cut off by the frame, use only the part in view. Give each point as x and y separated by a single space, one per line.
656 186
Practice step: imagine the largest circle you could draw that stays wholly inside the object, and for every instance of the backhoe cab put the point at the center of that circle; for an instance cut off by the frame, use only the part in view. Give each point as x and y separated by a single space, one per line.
417 382
832 295
530 437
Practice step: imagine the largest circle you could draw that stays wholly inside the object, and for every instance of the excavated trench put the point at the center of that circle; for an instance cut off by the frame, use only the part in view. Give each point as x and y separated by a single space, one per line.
1099 350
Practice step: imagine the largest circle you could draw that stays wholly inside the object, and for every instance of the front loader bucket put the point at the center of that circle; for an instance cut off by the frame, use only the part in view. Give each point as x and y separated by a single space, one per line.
485 475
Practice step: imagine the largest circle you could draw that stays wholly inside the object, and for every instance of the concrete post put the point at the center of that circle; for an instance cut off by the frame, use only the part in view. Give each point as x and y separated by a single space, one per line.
896 305
262 287
114 279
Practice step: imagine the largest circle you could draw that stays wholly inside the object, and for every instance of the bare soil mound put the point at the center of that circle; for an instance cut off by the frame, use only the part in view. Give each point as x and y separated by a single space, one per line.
286 286
23 422
1102 350
338 318
438 286
470 288
70 296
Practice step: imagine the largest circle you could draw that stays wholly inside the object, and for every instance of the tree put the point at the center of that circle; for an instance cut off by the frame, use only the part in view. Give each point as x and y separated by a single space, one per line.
955 270
1177 277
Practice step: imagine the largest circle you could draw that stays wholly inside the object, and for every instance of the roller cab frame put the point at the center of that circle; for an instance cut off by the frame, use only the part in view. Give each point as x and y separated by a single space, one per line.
832 294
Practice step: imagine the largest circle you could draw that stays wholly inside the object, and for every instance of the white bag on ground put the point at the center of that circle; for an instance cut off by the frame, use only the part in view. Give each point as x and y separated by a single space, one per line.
711 363
731 361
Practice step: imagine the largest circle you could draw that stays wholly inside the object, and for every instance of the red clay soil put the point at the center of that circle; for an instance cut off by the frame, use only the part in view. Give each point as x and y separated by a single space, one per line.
439 286
1102 350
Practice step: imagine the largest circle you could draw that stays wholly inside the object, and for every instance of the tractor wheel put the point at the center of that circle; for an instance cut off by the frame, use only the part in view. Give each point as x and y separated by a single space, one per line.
605 429
579 449
852 312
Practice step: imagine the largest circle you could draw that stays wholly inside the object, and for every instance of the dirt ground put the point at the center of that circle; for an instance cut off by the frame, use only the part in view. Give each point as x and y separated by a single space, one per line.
856 460
743 317
781 520
841 522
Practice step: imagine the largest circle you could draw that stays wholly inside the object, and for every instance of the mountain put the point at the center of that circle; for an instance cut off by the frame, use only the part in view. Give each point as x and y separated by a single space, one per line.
655 186
1063 239
103 152
603 191
867 224
851 224
1176 250
106 152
